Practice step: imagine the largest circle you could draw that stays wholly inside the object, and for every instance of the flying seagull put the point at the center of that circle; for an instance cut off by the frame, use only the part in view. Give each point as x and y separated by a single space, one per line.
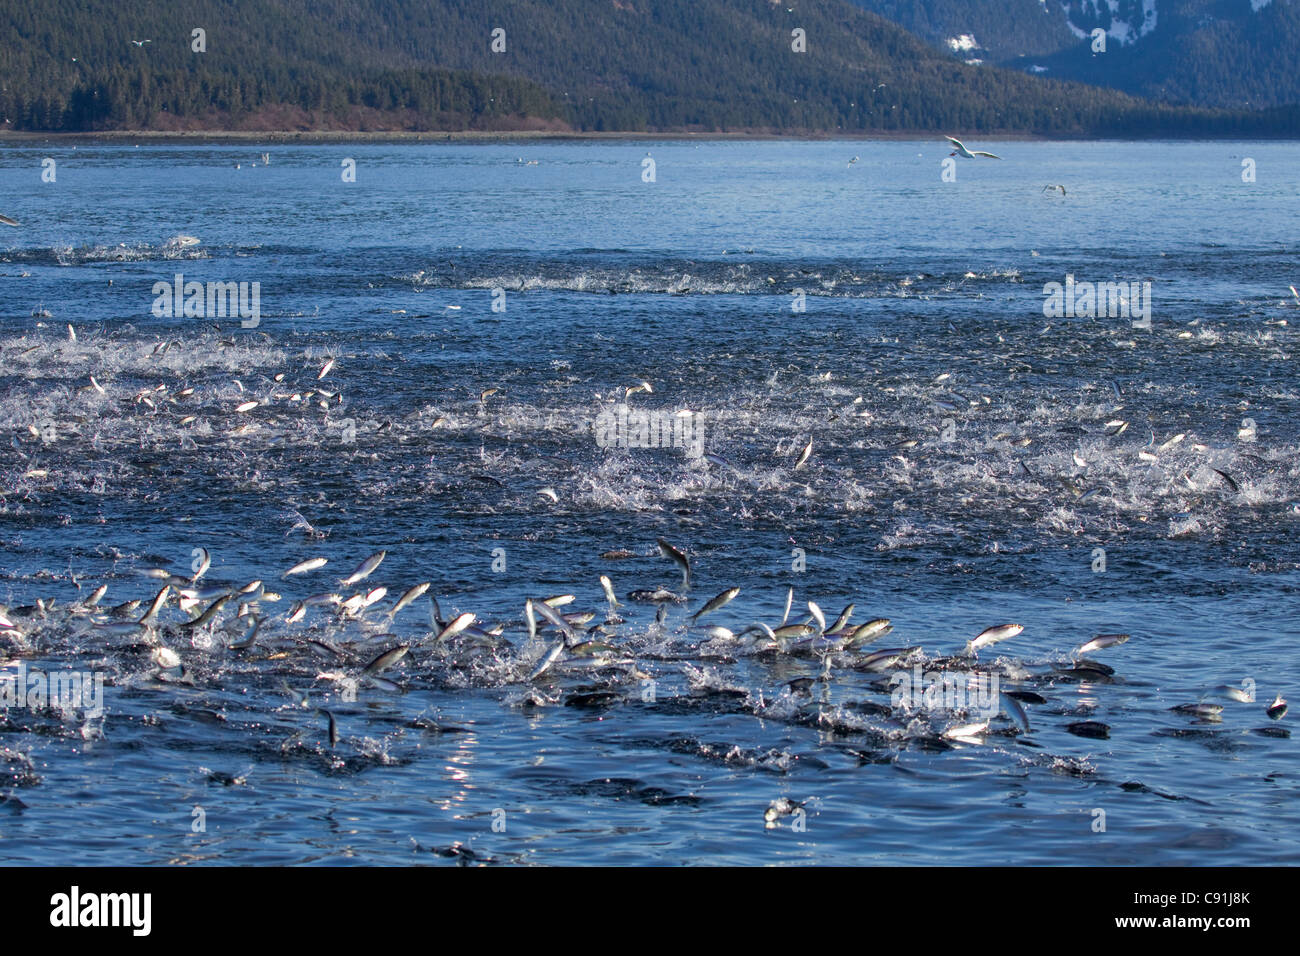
8 222
960 150
1051 188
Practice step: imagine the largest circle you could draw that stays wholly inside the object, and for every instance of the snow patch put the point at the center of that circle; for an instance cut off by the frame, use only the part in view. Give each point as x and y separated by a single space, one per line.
964 43
1122 31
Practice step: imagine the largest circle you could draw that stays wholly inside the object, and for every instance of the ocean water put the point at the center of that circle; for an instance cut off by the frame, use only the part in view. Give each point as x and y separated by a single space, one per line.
973 462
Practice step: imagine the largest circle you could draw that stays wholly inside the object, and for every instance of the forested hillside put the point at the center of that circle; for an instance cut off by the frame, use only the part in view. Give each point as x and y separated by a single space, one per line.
626 65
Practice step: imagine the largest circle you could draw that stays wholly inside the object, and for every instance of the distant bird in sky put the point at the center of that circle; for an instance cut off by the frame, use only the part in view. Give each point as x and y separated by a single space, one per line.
141 42
960 150
8 222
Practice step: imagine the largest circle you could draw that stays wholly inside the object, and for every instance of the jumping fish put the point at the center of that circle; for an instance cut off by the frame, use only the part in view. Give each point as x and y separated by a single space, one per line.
302 567
678 558
95 597
881 660
967 732
714 603
1101 642
1199 710
565 627
1277 709
842 621
608 588
793 630
804 455
871 631
250 635
159 600
991 635
455 627
1011 707
210 613
551 656
364 569
409 596
1227 478
386 659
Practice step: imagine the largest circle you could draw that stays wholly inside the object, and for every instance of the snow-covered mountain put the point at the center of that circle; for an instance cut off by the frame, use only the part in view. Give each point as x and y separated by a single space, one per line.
1231 53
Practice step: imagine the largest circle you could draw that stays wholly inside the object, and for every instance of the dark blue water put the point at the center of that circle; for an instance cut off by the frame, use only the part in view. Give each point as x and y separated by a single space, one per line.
973 462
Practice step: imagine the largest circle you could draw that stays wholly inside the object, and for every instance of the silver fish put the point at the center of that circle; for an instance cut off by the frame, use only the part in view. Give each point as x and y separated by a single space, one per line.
882 660
991 635
95 597
715 633
804 455
210 613
1101 642
677 557
408 597
967 731
250 635
1011 707
455 627
121 628
793 630
842 621
608 587
551 656
714 603
1239 694
871 631
1199 710
386 659
364 569
302 567
565 627
156 606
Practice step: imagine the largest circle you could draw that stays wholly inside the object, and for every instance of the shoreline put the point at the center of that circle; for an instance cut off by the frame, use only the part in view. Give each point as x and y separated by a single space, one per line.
472 137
